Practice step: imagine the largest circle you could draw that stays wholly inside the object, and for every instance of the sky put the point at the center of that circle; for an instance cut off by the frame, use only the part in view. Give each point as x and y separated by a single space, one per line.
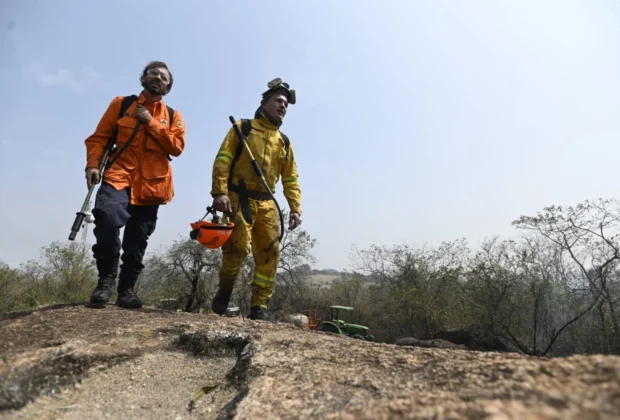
416 122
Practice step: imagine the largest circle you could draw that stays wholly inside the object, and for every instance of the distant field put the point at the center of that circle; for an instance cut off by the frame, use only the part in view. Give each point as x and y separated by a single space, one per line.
323 279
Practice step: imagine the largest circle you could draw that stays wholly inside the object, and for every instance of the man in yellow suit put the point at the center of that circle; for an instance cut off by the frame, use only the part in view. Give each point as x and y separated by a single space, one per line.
238 191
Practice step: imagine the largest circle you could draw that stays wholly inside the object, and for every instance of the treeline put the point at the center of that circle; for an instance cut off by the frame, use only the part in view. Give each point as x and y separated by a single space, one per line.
327 271
554 291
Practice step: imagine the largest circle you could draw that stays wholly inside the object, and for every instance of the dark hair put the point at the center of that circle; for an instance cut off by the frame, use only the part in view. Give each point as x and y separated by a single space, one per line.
271 93
157 64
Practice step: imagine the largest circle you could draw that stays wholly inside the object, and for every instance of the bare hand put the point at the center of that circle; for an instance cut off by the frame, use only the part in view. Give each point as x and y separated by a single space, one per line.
92 176
142 114
294 220
222 203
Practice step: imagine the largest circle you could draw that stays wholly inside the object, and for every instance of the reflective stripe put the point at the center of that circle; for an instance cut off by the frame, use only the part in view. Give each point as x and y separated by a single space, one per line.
289 180
262 280
224 155
230 270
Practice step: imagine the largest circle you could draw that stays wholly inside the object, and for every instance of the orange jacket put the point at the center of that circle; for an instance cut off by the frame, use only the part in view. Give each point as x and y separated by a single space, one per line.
144 164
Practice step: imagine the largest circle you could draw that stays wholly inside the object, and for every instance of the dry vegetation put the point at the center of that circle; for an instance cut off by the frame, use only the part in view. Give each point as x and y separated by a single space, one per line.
554 291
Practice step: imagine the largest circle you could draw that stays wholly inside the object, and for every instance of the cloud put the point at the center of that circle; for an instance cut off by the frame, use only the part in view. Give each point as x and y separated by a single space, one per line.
77 83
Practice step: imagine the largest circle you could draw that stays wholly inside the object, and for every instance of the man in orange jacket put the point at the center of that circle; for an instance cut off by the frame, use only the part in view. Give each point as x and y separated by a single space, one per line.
136 183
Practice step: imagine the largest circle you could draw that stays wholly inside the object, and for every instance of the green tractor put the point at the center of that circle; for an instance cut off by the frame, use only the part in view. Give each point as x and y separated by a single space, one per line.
336 325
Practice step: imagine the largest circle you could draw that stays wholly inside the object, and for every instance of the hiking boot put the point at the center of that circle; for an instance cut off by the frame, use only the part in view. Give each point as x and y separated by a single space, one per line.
258 313
128 299
103 292
107 271
220 302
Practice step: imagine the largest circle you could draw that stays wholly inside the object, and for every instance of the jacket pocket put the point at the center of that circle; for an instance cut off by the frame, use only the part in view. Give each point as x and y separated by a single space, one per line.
126 126
156 177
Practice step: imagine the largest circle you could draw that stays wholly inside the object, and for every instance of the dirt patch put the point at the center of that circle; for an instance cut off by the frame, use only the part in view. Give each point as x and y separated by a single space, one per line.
148 364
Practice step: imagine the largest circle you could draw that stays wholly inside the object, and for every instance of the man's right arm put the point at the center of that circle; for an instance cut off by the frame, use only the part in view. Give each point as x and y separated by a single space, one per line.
221 165
96 142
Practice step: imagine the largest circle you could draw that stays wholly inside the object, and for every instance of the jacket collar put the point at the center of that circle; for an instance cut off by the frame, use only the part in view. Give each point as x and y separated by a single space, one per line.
264 121
142 100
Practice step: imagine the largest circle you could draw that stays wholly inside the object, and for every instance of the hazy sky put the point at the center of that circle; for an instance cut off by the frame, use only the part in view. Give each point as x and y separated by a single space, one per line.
416 121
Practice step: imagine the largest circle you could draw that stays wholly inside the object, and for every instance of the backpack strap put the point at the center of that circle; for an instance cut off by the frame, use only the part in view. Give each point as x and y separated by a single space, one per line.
246 127
170 113
287 142
171 116
125 104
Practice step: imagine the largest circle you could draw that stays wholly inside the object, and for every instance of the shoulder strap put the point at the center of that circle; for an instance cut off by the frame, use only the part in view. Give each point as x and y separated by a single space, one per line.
287 142
171 116
125 104
246 127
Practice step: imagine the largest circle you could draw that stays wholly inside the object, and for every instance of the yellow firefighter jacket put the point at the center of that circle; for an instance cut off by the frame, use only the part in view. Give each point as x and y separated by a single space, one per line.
267 145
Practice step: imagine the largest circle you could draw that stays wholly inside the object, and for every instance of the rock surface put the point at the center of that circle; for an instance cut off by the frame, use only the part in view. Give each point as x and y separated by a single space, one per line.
435 343
73 362
478 338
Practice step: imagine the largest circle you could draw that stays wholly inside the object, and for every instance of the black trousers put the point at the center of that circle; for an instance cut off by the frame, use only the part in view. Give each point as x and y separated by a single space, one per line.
112 211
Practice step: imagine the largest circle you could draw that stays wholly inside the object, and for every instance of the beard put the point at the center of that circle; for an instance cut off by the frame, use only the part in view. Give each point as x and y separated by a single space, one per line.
261 111
153 89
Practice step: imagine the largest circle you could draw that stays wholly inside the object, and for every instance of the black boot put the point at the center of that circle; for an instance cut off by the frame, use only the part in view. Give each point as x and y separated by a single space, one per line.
258 313
220 302
108 269
128 299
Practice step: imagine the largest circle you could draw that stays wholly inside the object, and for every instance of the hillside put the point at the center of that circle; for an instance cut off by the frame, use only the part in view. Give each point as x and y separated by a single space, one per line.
72 362
328 276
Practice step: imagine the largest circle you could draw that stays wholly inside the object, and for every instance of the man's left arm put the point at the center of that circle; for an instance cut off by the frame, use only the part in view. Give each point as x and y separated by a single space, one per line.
173 141
290 182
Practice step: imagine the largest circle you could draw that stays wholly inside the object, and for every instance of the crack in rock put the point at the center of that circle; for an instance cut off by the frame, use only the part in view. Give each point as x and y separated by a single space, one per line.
215 344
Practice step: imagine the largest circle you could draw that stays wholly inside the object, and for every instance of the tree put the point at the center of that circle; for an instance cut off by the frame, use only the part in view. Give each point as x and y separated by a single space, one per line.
186 270
290 287
11 288
418 289
588 233
72 268
519 290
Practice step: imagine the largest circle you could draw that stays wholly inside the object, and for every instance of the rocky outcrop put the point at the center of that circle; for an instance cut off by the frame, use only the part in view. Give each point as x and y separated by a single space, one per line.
75 362
439 344
478 338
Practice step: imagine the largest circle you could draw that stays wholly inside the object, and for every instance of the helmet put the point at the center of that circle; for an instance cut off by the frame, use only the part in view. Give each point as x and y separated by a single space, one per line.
277 84
211 234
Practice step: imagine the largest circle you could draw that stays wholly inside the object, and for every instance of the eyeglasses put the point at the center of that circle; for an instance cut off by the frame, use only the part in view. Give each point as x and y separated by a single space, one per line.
161 73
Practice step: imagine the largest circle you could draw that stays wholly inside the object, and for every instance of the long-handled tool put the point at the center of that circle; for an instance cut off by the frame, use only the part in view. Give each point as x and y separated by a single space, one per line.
103 164
259 173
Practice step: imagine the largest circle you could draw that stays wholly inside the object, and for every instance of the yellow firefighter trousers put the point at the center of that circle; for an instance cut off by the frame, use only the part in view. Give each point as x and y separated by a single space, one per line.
263 237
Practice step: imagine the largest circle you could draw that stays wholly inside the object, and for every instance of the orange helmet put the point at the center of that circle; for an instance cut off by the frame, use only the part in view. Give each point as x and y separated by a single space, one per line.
211 234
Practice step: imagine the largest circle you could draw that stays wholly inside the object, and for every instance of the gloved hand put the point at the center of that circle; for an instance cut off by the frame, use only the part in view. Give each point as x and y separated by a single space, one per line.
92 176
294 220
222 203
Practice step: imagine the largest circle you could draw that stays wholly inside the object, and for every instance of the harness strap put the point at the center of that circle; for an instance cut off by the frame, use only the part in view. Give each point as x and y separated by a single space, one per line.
244 198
